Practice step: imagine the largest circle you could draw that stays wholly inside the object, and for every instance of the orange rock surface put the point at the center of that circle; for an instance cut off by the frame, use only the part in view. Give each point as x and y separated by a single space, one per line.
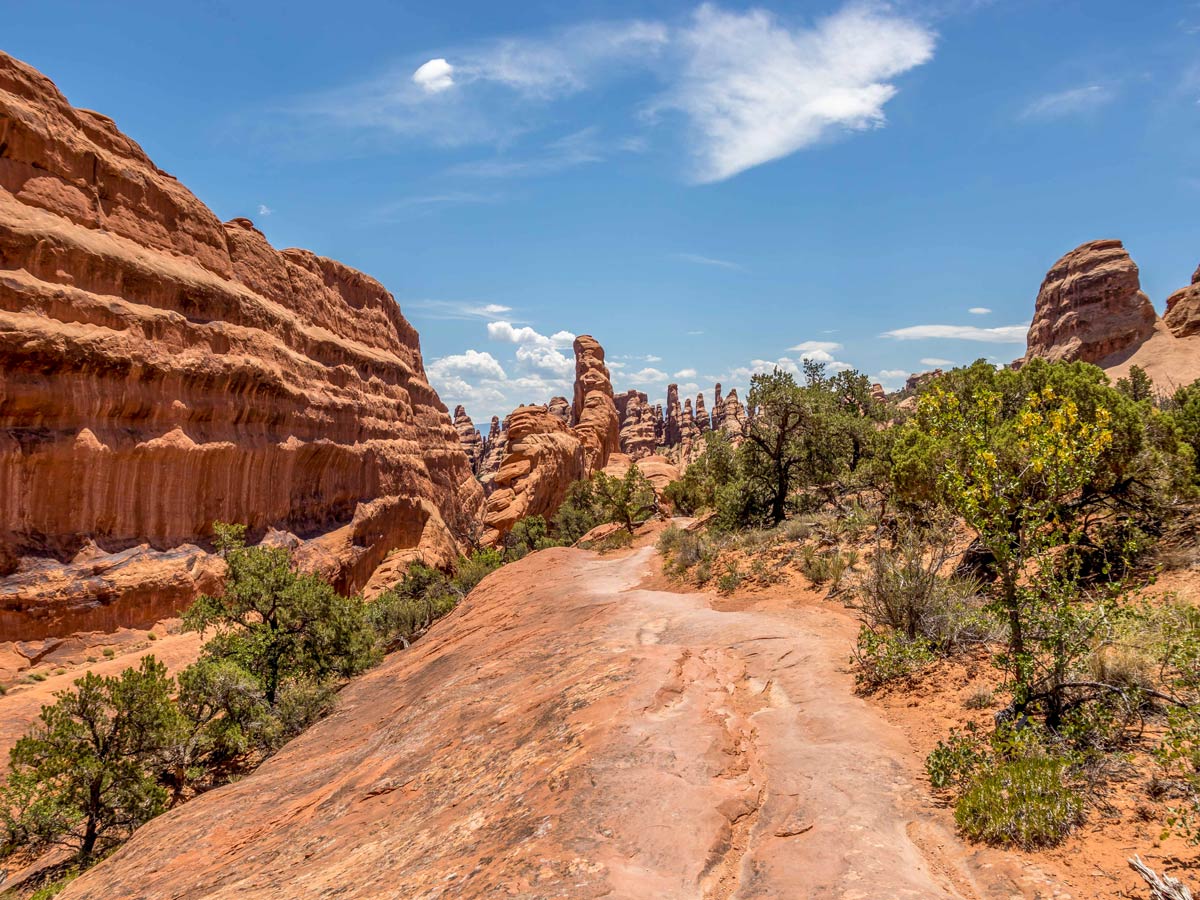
568 733
163 370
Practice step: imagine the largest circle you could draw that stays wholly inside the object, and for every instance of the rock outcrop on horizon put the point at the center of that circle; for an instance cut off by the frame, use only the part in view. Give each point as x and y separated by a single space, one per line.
494 447
1183 309
638 436
543 455
163 370
1091 307
469 436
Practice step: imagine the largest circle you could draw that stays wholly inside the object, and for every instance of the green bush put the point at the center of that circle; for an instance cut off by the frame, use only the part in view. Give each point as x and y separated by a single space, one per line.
579 513
883 656
529 534
1026 802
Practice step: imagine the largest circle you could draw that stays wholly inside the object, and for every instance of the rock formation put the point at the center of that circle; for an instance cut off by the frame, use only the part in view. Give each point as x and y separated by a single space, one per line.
561 407
1091 308
495 447
594 412
703 423
733 414
638 427
543 455
673 423
919 379
163 370
469 437
1183 309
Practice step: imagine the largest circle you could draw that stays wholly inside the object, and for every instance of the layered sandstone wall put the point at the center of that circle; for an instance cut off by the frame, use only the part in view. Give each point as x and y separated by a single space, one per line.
162 370
1091 307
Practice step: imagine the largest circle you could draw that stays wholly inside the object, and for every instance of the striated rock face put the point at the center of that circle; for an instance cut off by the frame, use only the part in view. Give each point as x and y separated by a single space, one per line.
703 423
541 460
595 413
495 447
1091 306
638 426
733 414
919 379
469 437
163 370
673 424
543 455
561 407
1183 309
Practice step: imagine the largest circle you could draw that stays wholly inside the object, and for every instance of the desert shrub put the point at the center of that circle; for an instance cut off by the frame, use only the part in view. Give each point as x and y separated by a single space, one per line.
527 535
474 568
1018 786
1027 802
981 698
825 566
697 488
904 589
279 624
669 540
729 581
86 775
883 656
627 501
578 514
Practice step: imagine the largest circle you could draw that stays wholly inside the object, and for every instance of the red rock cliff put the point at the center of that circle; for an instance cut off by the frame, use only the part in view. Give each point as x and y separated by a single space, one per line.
163 370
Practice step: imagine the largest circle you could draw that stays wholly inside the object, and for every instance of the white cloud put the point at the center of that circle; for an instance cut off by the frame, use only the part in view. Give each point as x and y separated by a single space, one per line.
648 375
936 361
651 358
546 358
505 331
264 210
814 346
685 373
979 311
1072 102
891 378
754 90
471 362
709 261
694 333
1004 334
435 76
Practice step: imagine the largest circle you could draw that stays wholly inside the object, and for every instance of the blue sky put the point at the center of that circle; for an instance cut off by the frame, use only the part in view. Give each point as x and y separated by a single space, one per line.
708 189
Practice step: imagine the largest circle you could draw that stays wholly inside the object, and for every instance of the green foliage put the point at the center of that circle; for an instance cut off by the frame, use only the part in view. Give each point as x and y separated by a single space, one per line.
803 437
728 582
1184 415
715 467
1026 802
579 513
1014 787
85 775
1137 386
278 624
532 533
882 656
627 501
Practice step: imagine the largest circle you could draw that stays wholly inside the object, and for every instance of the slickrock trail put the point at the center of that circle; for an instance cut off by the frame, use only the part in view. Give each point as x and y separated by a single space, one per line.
566 733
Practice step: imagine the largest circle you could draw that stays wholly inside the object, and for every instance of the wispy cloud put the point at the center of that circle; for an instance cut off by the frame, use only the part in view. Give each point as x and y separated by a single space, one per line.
936 361
755 90
751 86
264 210
458 309
1003 334
710 261
1071 102
813 346
575 149
979 311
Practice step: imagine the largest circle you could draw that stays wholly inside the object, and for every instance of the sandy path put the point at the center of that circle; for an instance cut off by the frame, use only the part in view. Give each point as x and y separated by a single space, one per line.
567 733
